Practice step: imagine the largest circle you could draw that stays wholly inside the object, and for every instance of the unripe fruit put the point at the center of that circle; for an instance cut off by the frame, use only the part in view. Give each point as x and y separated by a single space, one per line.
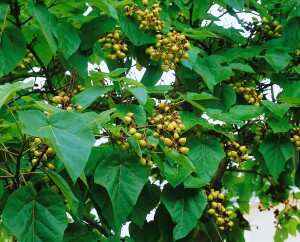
243 148
44 158
54 188
150 163
215 194
37 141
220 221
184 150
211 211
51 166
46 179
50 151
123 147
143 143
221 196
156 135
170 127
182 141
37 153
127 120
132 131
230 224
176 136
181 126
245 157
214 204
210 197
168 142
79 107
34 161
143 161
57 99
138 135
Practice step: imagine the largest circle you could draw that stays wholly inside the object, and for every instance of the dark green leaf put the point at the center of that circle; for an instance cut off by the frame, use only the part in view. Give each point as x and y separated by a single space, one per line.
32 216
72 143
123 177
175 174
242 67
106 7
276 150
278 109
141 94
12 49
245 112
149 232
206 155
237 4
279 124
65 189
151 76
88 96
278 59
78 233
185 207
147 200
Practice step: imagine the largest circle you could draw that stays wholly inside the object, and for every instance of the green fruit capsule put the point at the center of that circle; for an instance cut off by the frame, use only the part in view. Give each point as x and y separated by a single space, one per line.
184 150
167 142
132 131
127 120
182 141
143 143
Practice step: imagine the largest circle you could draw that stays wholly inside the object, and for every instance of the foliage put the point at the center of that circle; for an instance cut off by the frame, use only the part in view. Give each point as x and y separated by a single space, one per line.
83 150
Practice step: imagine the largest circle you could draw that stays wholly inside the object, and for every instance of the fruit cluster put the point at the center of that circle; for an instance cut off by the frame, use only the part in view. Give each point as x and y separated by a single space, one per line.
170 50
42 153
27 60
271 29
249 93
296 137
149 17
215 207
169 128
236 152
259 134
114 45
133 130
63 100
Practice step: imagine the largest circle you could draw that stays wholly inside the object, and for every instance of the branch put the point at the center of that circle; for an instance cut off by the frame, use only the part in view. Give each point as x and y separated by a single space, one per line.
90 221
12 77
215 182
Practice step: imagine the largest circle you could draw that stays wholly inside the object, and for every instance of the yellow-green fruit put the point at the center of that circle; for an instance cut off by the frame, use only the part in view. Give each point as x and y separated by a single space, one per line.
143 143
143 161
243 148
37 141
132 131
182 141
210 197
150 163
176 136
138 135
79 107
130 114
54 188
44 158
170 127
230 224
37 153
221 196
245 157
211 211
215 194
51 166
57 99
69 108
168 142
123 147
46 179
127 120
50 151
220 220
265 20
214 204
184 150
181 126
156 135
34 161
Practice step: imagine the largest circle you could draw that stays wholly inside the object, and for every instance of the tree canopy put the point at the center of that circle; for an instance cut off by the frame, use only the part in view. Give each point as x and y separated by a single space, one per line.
83 151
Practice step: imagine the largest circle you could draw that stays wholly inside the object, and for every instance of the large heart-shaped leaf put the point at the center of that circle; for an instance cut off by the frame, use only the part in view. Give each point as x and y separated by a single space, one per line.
32 216
66 132
123 177
206 155
185 207
276 151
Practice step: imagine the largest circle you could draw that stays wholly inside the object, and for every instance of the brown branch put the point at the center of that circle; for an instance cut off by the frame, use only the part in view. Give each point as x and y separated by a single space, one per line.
90 221
215 182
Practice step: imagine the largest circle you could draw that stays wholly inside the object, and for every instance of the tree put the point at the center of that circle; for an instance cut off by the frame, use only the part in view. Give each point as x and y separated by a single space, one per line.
107 149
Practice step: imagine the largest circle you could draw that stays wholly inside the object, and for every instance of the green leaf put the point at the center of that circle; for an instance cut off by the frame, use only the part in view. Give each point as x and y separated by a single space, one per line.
242 67
151 76
206 155
211 71
291 33
165 223
147 200
47 22
175 174
68 38
32 216
279 125
276 150
65 189
88 96
106 7
278 109
245 112
95 29
194 181
175 157
149 233
141 94
185 207
197 96
123 177
278 59
66 132
134 34
8 91
12 49
139 112
134 143
78 233
237 4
